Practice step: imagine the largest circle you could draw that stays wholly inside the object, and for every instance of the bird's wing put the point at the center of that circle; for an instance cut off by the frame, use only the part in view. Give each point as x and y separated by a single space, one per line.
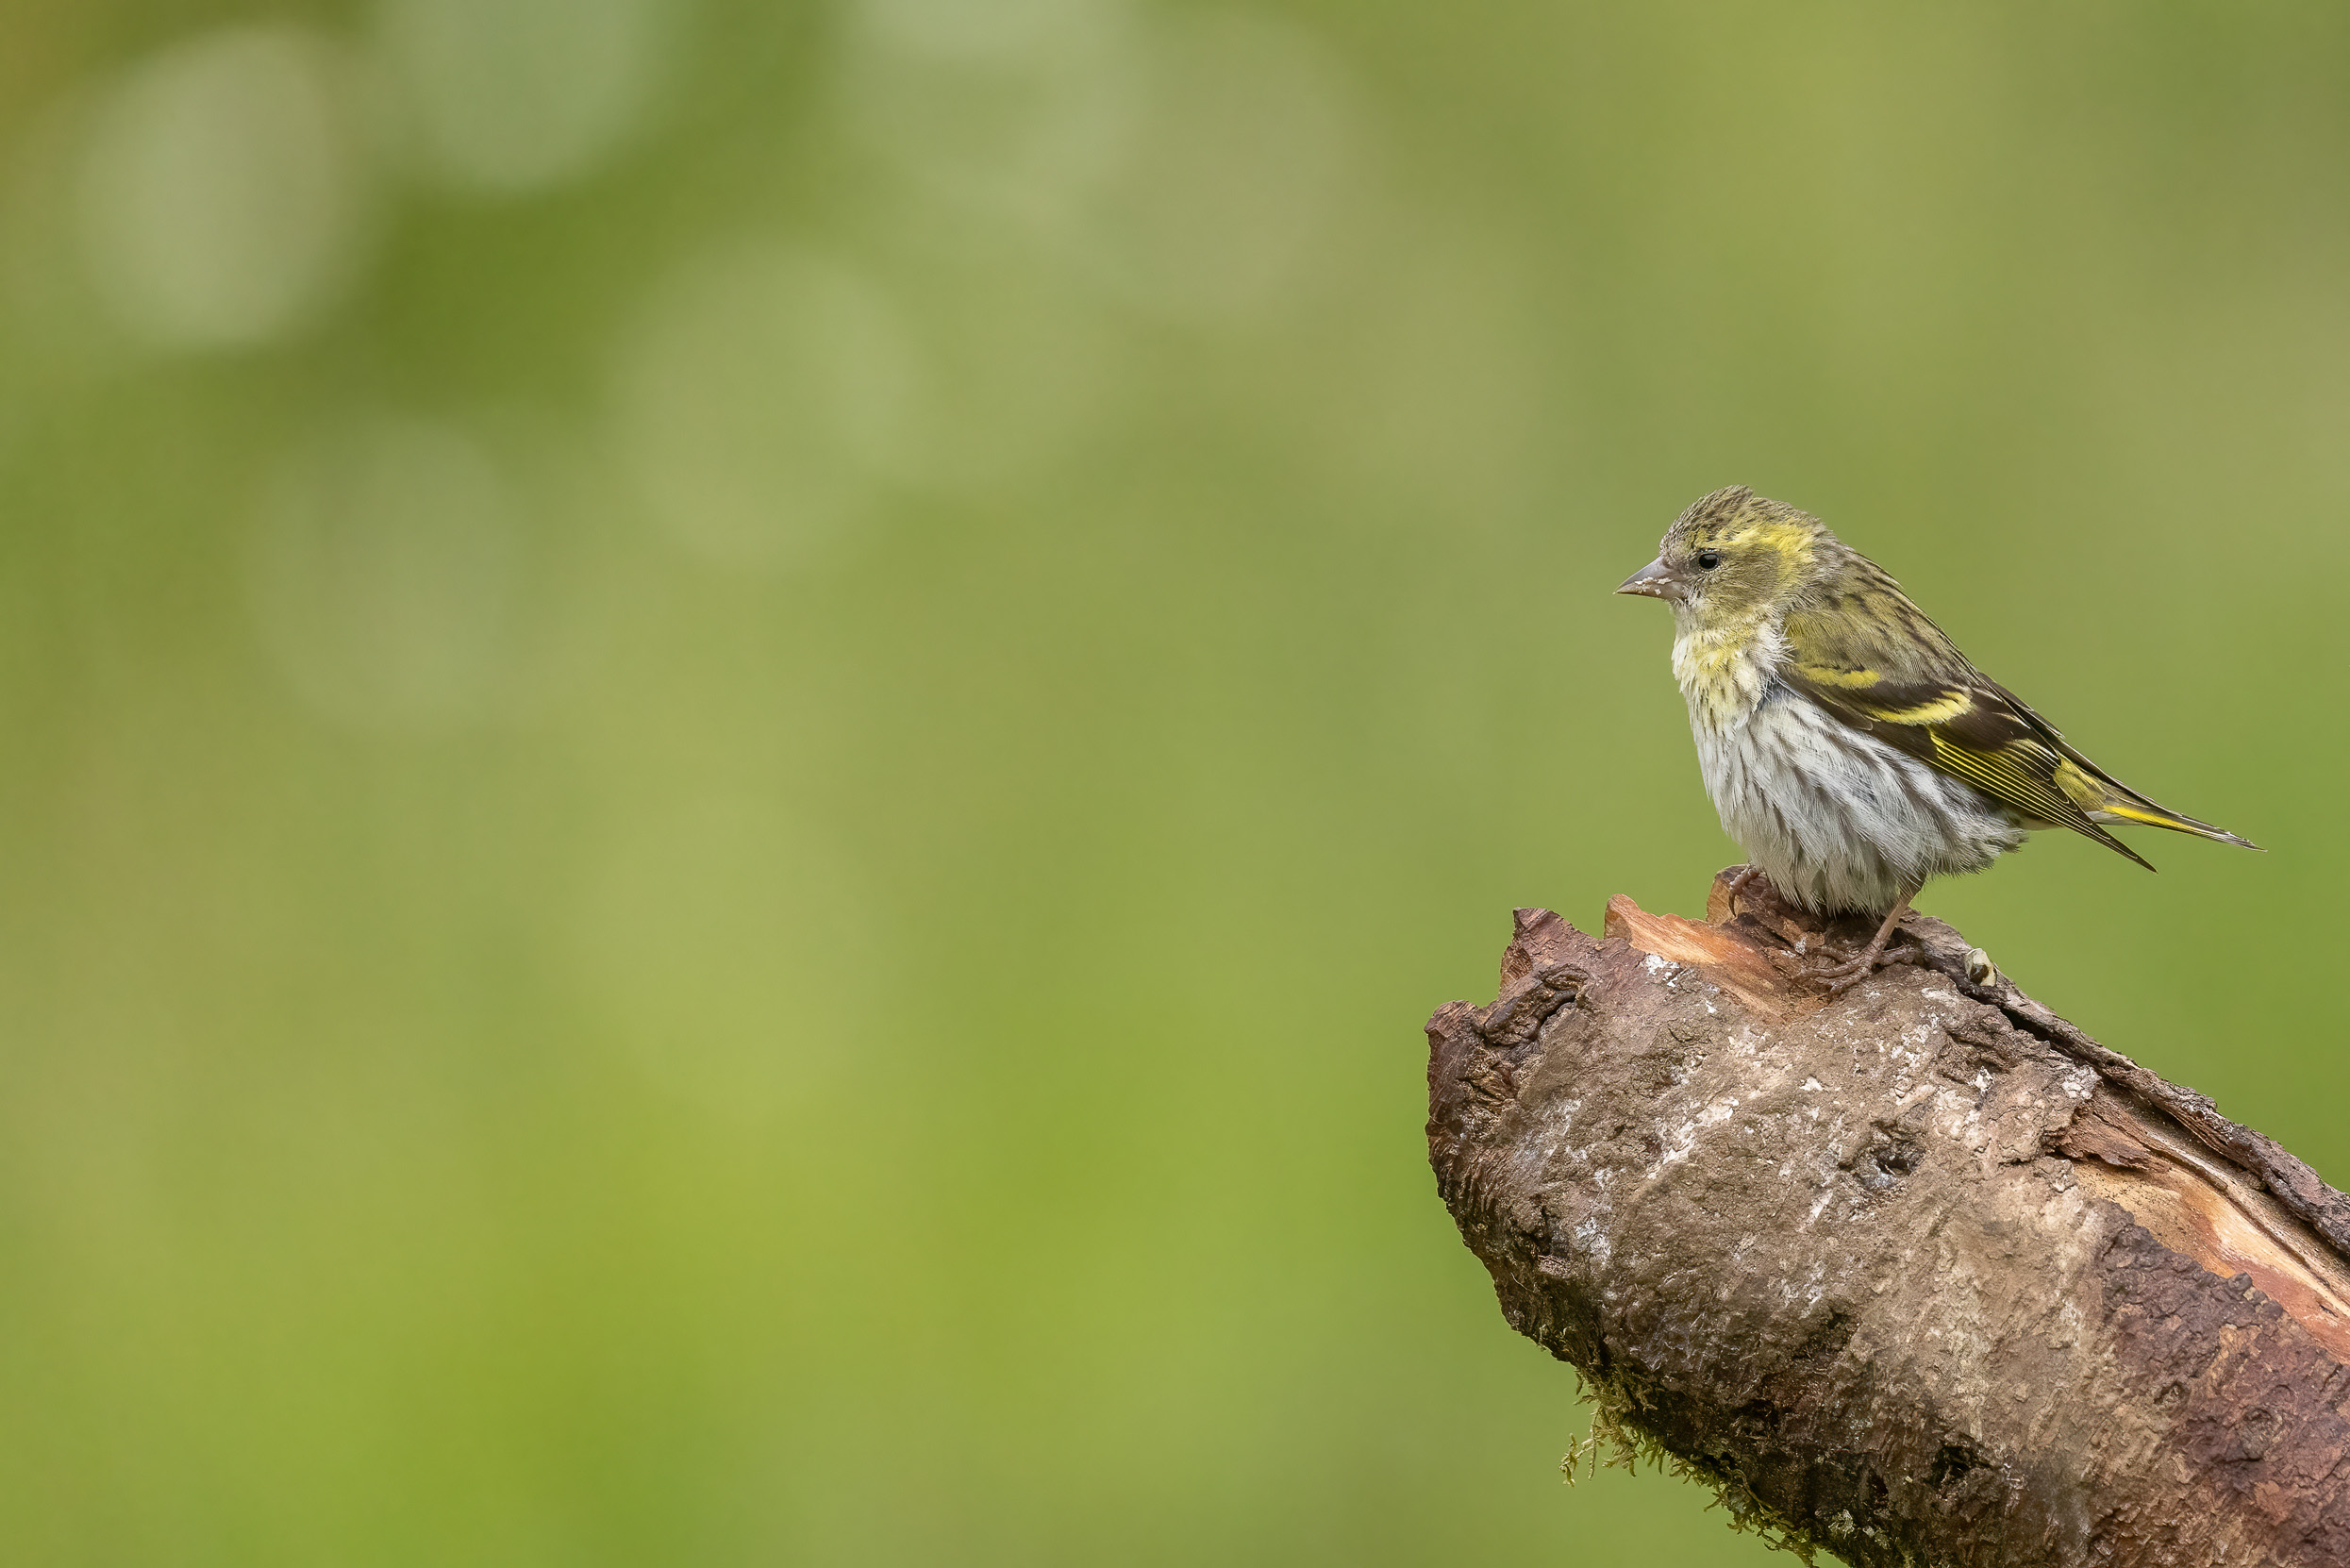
1947 715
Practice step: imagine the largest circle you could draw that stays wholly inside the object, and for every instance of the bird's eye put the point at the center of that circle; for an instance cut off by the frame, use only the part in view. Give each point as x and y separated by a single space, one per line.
1708 559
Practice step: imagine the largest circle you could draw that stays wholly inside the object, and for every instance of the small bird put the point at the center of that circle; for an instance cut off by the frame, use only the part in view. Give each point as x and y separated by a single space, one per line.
1852 751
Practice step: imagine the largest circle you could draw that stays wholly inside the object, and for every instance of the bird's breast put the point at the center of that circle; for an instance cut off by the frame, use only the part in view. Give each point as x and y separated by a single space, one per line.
1723 673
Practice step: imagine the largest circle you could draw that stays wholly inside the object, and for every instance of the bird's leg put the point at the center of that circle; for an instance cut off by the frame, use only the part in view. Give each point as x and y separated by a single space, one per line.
1863 963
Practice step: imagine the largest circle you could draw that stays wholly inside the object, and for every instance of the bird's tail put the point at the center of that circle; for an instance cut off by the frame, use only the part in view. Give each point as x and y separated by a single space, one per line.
2148 815
2105 799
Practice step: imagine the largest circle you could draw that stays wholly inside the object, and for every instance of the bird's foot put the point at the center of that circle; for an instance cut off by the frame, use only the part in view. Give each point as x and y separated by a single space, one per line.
1882 948
1754 885
1811 940
1740 879
1747 892
1841 978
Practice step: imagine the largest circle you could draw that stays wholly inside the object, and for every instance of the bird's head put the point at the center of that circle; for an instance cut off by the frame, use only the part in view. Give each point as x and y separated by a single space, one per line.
1732 559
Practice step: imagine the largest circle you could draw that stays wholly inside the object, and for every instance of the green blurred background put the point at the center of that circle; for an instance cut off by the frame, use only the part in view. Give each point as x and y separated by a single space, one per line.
743 738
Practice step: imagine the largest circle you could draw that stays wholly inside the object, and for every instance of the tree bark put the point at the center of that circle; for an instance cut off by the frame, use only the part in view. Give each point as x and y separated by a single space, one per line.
1915 1275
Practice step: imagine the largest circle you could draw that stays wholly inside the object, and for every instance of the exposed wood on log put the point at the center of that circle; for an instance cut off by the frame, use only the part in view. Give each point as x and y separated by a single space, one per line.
1917 1274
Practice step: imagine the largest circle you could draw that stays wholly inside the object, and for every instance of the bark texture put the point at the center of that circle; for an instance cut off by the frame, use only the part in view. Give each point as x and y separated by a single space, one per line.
1918 1275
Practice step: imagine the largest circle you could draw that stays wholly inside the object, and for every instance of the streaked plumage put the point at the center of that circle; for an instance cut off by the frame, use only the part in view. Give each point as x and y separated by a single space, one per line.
1852 751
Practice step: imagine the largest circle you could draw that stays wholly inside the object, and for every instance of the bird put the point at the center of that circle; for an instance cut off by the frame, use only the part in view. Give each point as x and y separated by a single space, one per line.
1851 749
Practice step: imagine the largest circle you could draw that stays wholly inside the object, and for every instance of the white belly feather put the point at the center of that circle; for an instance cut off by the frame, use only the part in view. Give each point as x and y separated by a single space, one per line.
1836 818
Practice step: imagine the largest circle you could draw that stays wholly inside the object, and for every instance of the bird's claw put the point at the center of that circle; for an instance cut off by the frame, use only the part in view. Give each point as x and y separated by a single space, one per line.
1841 978
1751 886
1739 880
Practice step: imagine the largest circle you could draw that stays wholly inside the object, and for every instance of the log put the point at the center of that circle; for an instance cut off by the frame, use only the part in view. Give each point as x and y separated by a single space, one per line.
1919 1273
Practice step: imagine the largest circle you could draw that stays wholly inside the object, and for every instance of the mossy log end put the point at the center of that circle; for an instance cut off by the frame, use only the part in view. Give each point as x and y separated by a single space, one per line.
1919 1273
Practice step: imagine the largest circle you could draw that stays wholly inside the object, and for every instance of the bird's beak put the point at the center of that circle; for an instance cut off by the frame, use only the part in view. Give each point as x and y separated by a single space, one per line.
1654 581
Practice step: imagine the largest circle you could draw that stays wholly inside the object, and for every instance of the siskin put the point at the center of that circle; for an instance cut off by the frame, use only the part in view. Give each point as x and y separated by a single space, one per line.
1852 751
